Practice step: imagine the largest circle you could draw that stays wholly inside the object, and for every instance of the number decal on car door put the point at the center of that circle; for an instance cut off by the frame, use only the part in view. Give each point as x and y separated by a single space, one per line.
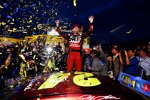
85 79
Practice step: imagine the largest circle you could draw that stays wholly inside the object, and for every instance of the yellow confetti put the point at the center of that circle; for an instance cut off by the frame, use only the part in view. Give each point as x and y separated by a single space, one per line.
31 17
14 29
75 3
1 6
10 30
30 21
12 23
39 3
3 23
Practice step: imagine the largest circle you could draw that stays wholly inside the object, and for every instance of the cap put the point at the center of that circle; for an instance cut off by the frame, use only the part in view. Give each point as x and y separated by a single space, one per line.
76 25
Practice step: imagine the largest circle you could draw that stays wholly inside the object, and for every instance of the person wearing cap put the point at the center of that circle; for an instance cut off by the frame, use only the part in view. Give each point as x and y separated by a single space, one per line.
75 44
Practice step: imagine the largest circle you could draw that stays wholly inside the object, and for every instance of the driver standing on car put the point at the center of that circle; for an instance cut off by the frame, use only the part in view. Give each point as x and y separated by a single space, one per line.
75 44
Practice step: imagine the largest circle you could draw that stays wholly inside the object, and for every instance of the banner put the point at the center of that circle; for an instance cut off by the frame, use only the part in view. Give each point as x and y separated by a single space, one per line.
8 41
135 83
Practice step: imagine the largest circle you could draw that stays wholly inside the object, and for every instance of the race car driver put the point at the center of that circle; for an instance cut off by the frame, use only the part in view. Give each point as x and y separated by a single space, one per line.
75 40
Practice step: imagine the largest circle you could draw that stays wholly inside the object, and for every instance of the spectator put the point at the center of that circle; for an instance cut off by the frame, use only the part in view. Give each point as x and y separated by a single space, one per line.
99 67
103 61
59 48
88 62
144 63
117 62
131 62
110 63
95 68
149 49
8 65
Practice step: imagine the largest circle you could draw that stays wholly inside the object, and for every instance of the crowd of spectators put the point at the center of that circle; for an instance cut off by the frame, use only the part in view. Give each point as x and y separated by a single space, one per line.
25 59
133 61
33 58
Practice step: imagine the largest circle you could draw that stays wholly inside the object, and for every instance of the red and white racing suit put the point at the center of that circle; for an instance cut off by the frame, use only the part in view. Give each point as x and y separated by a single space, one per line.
75 48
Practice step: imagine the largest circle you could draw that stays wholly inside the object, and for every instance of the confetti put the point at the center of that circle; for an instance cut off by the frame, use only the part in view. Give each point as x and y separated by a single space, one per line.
30 21
9 17
29 13
33 5
75 3
17 9
5 5
1 6
12 23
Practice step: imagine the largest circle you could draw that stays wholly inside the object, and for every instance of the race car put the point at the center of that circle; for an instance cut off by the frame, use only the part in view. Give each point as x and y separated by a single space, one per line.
76 86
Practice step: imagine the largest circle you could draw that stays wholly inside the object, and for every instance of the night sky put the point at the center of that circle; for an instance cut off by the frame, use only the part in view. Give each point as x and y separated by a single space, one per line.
115 20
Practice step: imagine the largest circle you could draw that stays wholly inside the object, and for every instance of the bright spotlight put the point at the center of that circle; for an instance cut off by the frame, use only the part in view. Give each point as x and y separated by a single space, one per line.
49 49
94 48
52 32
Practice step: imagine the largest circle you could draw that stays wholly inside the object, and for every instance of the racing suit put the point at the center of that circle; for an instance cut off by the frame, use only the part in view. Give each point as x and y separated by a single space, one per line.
75 47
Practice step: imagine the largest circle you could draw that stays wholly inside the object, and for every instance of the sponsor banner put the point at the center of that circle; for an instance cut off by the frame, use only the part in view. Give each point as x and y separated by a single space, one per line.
32 38
135 83
8 41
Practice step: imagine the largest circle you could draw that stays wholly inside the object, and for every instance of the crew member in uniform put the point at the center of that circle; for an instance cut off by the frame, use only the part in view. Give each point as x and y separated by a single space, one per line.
75 40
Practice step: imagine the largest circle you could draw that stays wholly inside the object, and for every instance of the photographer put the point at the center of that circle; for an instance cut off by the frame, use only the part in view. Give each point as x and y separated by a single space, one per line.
103 61
95 67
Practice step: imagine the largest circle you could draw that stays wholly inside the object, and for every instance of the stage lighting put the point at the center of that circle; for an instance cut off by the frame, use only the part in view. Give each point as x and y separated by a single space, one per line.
49 49
52 32
94 48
